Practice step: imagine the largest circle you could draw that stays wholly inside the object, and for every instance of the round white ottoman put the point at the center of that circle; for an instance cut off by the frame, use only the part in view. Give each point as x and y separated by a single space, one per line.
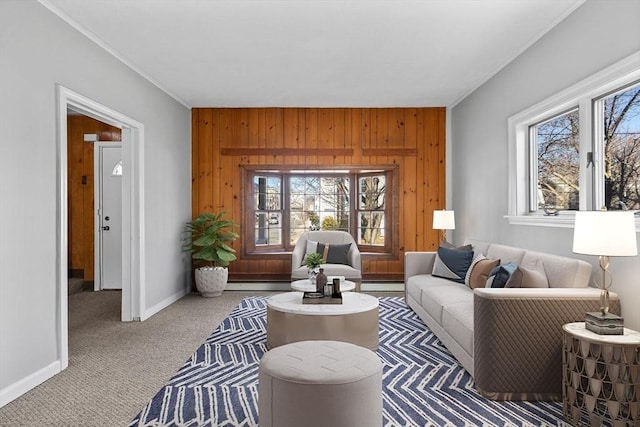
320 383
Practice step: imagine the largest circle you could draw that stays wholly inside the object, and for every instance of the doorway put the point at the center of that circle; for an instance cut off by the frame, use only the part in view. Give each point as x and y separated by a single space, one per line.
132 210
84 135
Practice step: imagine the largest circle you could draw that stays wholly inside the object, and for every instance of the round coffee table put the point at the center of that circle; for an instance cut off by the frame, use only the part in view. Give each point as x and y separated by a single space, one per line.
354 321
305 285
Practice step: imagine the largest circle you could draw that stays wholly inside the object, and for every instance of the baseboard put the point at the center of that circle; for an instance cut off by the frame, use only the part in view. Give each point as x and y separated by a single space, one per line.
147 313
22 386
259 286
286 286
382 287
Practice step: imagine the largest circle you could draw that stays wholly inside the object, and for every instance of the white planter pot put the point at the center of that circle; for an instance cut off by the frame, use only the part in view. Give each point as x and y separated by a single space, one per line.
211 281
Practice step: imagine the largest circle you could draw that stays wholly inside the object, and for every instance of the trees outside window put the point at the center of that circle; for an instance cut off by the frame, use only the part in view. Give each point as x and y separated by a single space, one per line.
371 209
287 203
612 160
621 139
558 162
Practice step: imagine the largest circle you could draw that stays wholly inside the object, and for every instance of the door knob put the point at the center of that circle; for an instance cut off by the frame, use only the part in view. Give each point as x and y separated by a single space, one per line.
106 228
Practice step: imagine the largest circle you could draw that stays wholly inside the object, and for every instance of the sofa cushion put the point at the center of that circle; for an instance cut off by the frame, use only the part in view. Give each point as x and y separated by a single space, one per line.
478 245
505 253
534 276
452 264
435 298
334 253
416 284
561 272
457 320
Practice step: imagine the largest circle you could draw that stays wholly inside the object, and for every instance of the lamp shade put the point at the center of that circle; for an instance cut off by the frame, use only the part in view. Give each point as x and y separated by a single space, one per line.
607 233
444 220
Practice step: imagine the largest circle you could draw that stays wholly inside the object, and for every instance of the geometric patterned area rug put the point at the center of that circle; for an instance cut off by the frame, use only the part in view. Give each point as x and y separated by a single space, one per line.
423 384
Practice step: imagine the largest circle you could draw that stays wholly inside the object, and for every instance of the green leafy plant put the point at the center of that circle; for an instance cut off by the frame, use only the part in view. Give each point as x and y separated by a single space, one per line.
313 260
207 237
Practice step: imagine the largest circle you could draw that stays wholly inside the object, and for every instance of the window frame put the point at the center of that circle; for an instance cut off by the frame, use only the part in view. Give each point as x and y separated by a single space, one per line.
532 160
389 250
583 96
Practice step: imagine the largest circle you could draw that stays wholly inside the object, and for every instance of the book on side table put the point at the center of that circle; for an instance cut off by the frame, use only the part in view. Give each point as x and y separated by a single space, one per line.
318 298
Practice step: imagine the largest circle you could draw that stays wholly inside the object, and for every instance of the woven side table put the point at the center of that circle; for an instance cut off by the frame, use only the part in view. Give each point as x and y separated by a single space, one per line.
601 377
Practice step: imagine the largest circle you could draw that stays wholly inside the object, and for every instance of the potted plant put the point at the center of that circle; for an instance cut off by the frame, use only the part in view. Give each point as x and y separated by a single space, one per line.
207 238
313 261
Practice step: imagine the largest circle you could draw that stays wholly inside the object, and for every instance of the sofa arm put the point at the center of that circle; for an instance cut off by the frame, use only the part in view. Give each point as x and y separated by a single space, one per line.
418 263
518 339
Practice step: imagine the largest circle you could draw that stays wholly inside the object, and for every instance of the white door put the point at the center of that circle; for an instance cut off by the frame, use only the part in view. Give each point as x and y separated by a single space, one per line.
108 199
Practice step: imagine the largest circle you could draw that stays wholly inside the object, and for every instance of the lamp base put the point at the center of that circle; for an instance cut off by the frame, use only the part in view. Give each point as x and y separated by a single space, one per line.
604 324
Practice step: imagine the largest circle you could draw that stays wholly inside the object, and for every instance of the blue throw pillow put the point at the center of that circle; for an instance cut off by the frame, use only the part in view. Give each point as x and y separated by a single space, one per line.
505 276
452 264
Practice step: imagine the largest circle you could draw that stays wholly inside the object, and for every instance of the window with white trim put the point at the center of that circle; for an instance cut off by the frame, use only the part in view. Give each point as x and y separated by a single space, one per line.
580 149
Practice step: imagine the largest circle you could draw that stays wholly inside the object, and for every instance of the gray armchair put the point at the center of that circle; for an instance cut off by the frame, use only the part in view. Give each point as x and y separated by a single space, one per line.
351 271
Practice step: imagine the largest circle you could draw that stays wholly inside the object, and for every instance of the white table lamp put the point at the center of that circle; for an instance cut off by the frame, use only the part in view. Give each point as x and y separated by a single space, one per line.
605 234
444 220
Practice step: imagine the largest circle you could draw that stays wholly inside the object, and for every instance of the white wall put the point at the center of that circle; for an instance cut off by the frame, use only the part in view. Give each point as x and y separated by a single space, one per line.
38 51
596 35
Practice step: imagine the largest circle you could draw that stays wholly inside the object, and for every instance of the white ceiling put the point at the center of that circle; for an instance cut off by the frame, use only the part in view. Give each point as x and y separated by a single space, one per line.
322 53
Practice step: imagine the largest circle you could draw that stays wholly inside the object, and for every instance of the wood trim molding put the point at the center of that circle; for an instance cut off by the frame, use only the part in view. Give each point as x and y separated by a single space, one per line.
286 151
389 152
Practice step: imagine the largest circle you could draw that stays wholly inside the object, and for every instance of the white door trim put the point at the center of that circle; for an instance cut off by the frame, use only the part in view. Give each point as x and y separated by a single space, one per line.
97 190
133 258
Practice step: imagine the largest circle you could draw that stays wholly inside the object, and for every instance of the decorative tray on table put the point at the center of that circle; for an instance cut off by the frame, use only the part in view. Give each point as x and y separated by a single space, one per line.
319 298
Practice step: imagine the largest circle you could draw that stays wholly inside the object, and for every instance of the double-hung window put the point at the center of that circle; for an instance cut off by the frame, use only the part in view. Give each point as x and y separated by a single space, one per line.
283 203
579 150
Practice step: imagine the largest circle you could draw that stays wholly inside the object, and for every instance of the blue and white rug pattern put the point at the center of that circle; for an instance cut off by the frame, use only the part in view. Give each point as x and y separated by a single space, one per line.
423 383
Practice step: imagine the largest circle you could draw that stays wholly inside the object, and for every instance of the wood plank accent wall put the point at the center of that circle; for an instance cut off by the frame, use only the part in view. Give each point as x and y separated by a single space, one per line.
80 164
224 139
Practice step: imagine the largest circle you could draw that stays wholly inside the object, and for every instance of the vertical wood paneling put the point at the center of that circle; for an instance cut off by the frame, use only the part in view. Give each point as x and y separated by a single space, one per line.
414 138
436 199
311 135
408 185
421 194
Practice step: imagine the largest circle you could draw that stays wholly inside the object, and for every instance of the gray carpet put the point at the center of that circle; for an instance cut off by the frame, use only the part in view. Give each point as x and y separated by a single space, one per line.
114 367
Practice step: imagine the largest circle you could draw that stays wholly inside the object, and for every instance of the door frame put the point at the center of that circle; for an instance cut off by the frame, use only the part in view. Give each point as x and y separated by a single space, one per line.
133 266
97 192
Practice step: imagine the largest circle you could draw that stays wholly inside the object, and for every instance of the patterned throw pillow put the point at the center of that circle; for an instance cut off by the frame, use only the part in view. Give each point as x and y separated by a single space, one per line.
452 264
479 271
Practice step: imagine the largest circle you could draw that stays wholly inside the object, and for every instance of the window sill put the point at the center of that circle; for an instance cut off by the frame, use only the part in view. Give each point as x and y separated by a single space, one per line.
559 221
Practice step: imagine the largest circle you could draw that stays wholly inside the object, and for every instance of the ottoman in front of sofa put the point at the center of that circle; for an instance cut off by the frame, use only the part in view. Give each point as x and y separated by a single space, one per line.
320 384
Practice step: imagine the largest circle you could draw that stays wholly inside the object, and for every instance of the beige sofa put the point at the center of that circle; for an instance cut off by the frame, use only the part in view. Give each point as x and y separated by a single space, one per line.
508 339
